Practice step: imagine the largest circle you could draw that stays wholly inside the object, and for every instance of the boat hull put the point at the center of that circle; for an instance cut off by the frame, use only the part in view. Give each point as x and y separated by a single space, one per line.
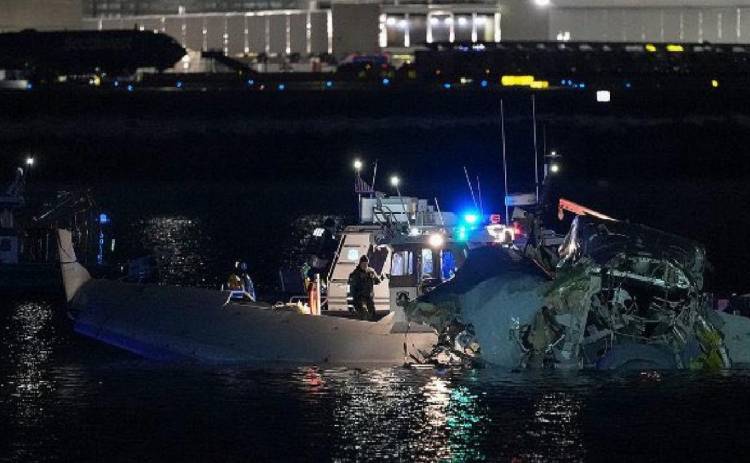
175 323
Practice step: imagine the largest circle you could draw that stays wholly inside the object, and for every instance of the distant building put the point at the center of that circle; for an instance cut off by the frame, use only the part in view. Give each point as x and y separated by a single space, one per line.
341 27
40 14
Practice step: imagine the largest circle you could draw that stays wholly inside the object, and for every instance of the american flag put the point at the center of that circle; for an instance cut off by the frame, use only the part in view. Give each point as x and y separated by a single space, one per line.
360 186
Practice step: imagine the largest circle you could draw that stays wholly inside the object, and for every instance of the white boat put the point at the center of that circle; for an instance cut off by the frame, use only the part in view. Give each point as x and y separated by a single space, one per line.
178 323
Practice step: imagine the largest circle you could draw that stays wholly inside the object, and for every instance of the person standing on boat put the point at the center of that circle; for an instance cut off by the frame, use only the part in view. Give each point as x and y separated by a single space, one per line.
361 284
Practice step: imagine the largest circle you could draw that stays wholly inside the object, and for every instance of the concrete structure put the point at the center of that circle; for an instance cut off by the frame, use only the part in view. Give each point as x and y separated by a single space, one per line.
40 14
340 27
650 21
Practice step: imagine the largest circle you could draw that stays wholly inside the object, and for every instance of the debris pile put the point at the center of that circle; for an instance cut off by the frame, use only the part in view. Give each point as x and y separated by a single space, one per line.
627 295
620 296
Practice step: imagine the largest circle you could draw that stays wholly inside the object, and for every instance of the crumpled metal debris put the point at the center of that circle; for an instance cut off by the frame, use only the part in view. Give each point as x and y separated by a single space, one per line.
634 296
623 296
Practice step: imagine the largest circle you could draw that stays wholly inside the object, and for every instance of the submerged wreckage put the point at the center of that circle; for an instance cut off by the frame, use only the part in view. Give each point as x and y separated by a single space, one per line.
616 295
612 295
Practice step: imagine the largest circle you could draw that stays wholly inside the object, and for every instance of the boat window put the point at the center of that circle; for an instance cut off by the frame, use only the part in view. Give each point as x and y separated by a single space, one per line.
427 267
401 263
448 261
352 255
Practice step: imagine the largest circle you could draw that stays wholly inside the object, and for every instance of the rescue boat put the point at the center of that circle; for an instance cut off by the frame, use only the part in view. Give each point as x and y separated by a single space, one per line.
202 325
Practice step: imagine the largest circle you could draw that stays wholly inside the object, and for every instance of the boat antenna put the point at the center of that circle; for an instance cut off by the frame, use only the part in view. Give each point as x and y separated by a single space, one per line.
536 153
440 214
505 164
374 176
479 194
471 188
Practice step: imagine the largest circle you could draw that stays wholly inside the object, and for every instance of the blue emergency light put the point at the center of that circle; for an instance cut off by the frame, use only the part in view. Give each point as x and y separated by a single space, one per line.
461 233
471 218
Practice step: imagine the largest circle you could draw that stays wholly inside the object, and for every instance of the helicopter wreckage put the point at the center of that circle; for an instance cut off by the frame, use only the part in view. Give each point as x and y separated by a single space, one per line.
615 296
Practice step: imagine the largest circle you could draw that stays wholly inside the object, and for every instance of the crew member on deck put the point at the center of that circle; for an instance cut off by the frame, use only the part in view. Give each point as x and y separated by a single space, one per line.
361 284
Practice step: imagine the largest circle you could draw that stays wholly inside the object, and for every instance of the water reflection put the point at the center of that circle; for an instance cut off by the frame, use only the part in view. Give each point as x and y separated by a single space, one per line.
184 251
62 399
390 414
554 432
28 341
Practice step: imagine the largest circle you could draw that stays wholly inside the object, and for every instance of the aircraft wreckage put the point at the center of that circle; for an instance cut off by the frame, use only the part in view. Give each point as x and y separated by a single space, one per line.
612 295
617 295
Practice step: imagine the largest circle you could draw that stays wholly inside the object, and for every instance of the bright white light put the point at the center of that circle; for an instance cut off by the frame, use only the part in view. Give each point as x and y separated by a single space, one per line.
554 168
542 2
436 240
434 21
357 165
480 20
462 21
29 161
449 20
402 24
501 233
413 231
395 181
603 96
391 21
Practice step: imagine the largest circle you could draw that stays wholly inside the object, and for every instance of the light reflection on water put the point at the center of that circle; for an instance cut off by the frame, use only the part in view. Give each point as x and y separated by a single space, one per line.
184 250
27 342
63 398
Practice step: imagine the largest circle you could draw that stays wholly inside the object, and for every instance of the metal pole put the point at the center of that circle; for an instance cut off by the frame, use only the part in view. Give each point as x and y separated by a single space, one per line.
359 207
357 183
536 154
471 188
440 214
479 194
374 176
505 165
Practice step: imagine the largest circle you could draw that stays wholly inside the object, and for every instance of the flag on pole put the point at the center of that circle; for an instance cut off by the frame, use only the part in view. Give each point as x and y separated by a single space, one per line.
361 187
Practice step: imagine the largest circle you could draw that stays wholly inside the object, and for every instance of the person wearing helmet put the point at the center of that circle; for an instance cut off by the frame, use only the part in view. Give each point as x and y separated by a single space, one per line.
361 285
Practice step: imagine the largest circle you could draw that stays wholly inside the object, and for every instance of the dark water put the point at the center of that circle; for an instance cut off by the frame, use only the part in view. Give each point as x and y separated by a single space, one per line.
65 399
202 180
248 165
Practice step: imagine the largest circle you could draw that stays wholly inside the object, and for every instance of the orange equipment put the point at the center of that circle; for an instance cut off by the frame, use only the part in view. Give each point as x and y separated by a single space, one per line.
577 209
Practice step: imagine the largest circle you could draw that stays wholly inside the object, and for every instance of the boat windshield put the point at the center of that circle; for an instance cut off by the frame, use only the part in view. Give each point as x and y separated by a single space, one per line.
402 263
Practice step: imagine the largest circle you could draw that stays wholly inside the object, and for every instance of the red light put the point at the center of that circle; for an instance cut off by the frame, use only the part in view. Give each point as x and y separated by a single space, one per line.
495 219
517 230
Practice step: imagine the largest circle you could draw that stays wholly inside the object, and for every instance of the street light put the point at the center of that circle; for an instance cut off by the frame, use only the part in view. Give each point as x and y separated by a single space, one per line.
357 165
552 163
436 240
395 181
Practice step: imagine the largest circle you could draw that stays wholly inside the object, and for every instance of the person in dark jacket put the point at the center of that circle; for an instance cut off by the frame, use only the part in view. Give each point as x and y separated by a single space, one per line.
361 285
